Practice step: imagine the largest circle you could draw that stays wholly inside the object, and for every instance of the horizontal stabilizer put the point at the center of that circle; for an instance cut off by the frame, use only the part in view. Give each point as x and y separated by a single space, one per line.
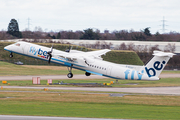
163 54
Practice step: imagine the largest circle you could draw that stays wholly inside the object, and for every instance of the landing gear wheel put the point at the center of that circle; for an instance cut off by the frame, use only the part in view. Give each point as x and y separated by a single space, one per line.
11 55
69 75
87 74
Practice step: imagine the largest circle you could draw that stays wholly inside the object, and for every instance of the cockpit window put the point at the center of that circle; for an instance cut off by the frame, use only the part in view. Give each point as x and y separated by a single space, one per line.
17 44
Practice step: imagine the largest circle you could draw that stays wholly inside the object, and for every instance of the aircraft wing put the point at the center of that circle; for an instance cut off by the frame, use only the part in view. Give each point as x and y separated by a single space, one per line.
98 52
76 51
94 53
75 54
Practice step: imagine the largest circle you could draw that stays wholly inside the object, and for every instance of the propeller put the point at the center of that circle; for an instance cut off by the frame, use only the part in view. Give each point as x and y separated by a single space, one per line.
68 50
50 54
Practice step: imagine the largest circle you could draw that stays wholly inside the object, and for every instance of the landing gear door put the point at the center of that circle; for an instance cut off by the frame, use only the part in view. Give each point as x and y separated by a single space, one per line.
108 72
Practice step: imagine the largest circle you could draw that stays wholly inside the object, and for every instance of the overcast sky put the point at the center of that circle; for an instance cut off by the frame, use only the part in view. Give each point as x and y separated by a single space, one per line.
75 15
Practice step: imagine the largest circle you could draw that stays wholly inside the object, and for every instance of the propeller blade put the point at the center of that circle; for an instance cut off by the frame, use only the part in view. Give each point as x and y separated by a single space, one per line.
49 58
50 54
68 50
52 48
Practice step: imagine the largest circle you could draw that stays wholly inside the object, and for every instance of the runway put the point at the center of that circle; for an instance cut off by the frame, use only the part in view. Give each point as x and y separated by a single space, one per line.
16 117
144 90
54 77
59 77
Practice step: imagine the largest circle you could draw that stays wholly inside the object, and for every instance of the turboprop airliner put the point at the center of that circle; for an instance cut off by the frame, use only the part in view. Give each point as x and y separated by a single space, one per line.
92 63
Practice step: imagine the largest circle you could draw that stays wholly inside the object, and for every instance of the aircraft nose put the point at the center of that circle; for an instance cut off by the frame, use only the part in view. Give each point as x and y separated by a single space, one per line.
8 48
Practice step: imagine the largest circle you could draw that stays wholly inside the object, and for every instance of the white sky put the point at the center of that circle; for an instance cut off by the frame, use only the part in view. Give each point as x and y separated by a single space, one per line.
75 15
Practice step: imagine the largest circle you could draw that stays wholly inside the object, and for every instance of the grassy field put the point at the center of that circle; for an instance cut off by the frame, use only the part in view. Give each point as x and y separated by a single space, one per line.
8 69
90 105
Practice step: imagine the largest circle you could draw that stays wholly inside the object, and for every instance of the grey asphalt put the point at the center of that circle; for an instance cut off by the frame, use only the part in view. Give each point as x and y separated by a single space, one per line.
58 77
54 77
145 90
16 117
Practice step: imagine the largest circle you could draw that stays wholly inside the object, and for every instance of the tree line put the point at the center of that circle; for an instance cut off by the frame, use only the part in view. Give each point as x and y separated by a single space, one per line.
88 34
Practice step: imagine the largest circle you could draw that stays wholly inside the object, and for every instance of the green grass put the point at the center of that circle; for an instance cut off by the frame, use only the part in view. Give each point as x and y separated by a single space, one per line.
89 110
123 57
7 69
90 105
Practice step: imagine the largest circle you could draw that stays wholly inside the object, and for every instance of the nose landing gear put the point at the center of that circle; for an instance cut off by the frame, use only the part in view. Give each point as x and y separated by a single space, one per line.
11 55
70 75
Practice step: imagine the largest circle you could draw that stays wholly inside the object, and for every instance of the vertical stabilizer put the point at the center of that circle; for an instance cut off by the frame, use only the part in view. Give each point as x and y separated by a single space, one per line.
155 66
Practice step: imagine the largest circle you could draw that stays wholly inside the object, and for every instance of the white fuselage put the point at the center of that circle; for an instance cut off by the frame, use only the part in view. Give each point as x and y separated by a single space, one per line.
83 62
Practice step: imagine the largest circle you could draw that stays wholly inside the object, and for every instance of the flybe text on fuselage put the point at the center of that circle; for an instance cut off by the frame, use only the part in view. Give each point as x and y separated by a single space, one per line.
133 74
39 52
43 54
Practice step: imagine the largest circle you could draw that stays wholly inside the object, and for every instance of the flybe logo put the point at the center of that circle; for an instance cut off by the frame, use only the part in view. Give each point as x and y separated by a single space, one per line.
156 66
134 74
38 52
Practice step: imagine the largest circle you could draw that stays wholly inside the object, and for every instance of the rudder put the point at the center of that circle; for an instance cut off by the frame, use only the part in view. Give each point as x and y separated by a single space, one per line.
155 66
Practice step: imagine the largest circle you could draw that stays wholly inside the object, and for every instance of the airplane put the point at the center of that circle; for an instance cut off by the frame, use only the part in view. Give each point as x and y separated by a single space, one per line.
92 63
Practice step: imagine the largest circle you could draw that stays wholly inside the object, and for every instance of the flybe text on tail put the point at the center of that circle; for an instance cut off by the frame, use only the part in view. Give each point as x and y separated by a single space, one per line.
151 72
155 66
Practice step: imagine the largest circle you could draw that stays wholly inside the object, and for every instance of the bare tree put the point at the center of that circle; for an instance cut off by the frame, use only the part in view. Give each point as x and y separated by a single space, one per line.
155 47
170 48
131 46
123 46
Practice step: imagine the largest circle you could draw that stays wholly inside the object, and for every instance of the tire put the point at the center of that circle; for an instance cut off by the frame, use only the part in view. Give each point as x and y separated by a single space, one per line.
69 75
10 55
87 74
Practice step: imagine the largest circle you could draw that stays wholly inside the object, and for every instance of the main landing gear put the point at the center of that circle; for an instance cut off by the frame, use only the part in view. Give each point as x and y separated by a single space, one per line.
11 55
87 74
70 75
